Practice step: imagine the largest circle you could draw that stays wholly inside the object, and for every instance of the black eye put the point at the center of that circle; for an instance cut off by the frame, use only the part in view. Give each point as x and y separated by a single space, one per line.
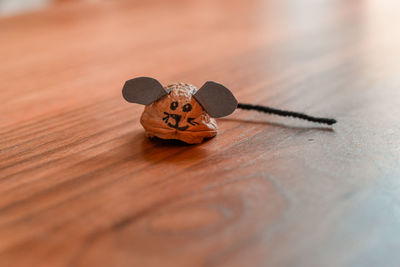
174 105
187 108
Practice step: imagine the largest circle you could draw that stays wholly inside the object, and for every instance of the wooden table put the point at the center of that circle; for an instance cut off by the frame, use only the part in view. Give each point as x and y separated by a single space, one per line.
80 184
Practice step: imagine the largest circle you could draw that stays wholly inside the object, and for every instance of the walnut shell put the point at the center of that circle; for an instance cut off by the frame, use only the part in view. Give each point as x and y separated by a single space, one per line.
178 116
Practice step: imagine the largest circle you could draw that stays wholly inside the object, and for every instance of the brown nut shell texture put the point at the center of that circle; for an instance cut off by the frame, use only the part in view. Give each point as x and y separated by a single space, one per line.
178 116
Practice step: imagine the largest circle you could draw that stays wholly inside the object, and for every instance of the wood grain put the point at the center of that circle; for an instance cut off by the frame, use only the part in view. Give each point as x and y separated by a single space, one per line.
80 185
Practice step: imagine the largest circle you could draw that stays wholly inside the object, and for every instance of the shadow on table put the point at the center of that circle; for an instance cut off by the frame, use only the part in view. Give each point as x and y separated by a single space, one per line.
281 125
172 151
158 150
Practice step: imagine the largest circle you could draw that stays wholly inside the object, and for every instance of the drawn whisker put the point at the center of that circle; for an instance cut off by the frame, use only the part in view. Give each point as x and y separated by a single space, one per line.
166 117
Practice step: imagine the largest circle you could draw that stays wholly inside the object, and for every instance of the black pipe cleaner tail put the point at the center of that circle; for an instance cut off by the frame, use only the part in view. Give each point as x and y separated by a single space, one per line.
286 113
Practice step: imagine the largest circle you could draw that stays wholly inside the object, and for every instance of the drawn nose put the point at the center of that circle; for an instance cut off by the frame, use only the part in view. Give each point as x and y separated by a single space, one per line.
176 117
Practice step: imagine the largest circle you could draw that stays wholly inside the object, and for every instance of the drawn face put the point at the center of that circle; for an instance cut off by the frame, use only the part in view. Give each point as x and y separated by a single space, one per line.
178 115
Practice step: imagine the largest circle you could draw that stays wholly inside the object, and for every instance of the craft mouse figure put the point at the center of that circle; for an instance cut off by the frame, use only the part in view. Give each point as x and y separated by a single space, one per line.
180 111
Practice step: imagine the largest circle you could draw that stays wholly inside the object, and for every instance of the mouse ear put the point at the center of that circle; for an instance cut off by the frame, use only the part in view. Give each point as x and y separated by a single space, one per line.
143 90
216 99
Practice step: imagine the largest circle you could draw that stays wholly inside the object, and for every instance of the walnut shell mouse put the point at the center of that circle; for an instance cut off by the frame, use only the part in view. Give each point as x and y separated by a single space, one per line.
179 111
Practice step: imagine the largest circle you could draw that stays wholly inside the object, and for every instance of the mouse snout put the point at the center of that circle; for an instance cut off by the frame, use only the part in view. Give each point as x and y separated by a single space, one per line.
176 117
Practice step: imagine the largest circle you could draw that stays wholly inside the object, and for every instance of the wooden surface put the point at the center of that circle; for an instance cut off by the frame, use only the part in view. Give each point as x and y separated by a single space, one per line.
81 186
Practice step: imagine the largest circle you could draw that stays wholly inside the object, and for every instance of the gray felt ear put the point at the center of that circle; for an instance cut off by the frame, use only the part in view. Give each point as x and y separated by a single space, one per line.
216 99
143 90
